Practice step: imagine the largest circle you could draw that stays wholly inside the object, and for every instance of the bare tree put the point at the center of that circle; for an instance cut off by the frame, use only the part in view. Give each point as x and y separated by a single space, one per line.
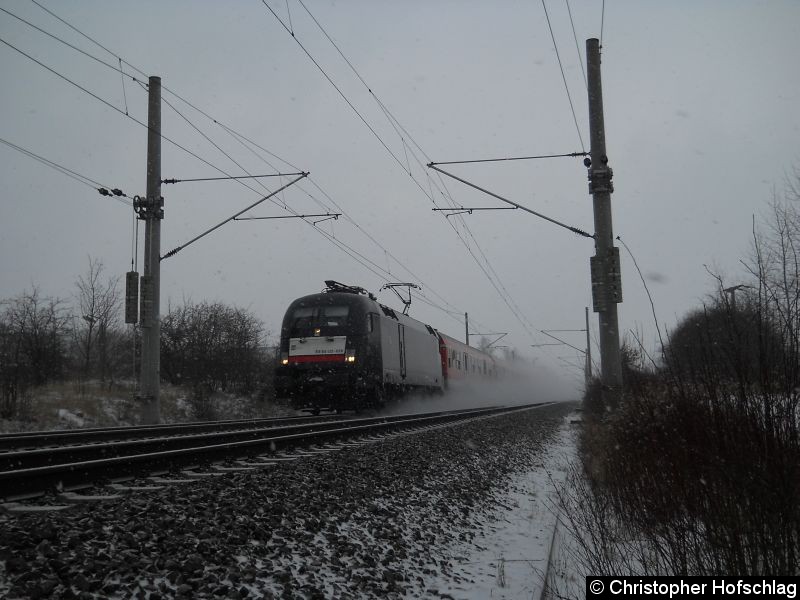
775 264
484 344
98 305
32 345
509 354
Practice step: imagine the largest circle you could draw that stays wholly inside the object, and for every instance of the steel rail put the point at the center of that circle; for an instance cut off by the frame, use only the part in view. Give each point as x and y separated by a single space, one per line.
40 457
33 439
30 481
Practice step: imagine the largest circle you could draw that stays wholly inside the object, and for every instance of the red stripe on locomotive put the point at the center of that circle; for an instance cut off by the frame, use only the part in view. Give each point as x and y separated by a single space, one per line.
316 358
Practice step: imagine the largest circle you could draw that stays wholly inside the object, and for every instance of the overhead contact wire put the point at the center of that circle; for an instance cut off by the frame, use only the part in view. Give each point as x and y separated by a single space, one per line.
386 274
115 108
364 261
235 134
563 76
336 87
577 46
399 162
602 21
66 43
395 124
393 120
87 181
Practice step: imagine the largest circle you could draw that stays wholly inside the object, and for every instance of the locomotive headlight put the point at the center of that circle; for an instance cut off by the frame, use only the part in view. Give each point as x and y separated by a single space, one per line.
350 356
284 358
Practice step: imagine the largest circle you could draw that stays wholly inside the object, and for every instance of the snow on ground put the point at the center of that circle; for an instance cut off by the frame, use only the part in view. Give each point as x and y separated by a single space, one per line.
508 559
70 419
453 512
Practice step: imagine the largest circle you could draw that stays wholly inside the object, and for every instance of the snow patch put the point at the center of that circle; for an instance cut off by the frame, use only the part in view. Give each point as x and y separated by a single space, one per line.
71 419
509 558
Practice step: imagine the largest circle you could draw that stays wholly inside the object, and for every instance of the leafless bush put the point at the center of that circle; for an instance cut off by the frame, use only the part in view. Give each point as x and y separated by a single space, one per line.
32 346
698 475
599 541
637 376
698 471
213 347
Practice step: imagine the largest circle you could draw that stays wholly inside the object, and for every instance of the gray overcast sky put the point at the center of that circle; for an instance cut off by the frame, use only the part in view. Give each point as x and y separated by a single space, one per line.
701 117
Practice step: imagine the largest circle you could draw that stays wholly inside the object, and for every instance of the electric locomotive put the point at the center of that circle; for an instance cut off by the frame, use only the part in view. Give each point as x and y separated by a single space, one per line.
341 349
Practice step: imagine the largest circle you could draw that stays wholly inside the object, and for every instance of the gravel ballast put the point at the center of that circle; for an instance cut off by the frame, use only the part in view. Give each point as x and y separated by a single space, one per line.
362 522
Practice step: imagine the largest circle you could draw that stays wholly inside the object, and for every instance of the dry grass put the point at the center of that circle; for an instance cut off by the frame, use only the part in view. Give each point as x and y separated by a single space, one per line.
73 404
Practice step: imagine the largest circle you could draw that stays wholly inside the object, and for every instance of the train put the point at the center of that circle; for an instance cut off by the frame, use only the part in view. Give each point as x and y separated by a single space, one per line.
343 350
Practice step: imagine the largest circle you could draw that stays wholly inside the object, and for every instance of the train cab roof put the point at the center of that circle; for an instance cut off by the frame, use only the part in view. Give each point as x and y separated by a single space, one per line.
339 294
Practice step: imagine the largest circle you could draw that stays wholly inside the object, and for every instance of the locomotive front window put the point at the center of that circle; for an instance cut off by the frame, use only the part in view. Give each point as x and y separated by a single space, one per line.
334 315
303 318
310 317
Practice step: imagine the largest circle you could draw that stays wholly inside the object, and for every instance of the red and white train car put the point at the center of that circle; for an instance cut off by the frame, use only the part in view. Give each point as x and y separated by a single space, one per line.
464 363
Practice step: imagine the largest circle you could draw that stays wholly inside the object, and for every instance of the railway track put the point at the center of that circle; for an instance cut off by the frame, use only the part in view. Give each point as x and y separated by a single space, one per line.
62 437
118 454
